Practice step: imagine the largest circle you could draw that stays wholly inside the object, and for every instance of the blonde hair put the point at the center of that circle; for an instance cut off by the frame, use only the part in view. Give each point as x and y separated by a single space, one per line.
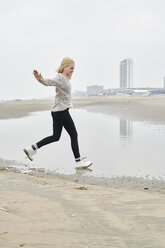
65 63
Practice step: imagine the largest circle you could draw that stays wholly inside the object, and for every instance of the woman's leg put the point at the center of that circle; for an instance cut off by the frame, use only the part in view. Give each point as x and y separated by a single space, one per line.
69 125
60 119
57 129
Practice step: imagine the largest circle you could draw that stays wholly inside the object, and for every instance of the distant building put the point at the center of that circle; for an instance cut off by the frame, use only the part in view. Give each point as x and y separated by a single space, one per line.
142 92
126 73
79 93
95 90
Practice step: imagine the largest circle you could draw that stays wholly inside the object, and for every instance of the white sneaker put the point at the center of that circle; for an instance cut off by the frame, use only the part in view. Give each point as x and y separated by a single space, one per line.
82 164
29 151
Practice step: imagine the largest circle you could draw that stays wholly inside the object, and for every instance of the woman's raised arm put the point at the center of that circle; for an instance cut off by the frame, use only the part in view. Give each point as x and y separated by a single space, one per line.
57 81
37 75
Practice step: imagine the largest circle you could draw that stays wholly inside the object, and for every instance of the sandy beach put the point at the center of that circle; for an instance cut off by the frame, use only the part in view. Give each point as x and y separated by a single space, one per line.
41 210
131 107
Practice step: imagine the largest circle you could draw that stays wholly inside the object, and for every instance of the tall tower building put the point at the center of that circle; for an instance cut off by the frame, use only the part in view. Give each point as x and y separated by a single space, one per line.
126 73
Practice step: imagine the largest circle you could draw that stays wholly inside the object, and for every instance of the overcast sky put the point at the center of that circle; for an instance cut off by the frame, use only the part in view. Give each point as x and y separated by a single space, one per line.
97 34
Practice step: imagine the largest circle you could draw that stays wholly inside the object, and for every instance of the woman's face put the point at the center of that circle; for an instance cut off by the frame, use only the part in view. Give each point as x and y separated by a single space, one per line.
69 70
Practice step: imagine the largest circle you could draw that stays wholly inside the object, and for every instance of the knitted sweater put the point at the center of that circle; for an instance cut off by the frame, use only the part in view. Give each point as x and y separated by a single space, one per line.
63 91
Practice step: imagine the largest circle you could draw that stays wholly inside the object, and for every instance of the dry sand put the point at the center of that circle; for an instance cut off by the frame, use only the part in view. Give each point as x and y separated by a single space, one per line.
43 212
66 212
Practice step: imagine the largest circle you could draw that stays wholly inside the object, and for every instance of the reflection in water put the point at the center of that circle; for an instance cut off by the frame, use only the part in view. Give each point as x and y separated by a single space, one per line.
126 128
83 172
101 140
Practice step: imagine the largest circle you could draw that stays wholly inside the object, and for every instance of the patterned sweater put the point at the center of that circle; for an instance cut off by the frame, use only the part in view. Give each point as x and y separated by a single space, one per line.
63 91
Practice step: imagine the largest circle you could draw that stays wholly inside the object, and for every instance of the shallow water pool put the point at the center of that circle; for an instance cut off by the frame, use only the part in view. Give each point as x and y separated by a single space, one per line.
117 147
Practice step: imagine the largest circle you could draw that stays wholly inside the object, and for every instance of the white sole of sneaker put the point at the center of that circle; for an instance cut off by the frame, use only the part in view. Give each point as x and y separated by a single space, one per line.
27 154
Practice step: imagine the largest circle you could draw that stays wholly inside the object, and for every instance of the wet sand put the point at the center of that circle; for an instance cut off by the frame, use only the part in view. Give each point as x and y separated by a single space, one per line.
18 109
137 108
129 107
40 210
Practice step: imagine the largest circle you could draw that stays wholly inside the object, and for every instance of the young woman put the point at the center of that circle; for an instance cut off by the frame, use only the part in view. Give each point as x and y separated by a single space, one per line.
60 112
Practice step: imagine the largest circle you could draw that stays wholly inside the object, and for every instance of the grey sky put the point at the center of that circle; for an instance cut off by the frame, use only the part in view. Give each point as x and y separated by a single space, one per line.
97 34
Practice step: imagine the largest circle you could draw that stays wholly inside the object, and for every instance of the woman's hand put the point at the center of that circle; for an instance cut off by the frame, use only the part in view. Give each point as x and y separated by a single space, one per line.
37 75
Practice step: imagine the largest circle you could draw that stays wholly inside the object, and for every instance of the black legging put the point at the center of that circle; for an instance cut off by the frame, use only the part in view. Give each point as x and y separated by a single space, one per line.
62 119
